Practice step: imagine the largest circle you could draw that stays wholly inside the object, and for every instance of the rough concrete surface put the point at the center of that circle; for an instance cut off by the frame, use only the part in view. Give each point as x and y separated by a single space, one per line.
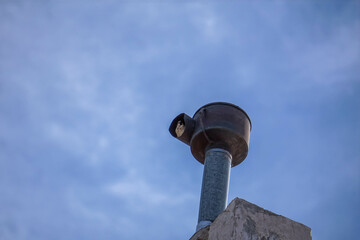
246 221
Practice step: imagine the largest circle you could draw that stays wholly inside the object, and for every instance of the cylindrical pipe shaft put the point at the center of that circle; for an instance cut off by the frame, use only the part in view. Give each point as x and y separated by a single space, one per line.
215 186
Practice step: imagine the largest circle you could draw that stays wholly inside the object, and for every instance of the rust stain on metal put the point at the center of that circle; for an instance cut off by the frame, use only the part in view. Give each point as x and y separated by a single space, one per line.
215 125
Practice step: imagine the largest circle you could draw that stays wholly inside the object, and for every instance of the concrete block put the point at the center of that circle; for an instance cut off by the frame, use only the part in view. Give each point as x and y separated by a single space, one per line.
242 220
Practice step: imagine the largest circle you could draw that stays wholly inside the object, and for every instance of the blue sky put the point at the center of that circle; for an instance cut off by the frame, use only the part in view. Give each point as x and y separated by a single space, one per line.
89 88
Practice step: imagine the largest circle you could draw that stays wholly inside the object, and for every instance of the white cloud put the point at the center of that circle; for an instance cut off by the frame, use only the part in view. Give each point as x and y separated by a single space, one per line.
140 190
135 189
207 22
330 60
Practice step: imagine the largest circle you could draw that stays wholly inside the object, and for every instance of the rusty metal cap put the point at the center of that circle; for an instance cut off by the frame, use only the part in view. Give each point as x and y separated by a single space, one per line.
221 125
225 103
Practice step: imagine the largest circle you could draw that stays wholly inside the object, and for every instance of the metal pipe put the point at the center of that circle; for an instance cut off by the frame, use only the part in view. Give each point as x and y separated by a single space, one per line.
218 135
215 186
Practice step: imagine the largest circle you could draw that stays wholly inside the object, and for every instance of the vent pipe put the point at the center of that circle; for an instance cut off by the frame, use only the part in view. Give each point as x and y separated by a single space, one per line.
218 136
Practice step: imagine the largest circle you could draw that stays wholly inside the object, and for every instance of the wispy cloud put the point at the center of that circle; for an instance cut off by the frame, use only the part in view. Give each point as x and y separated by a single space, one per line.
87 92
134 189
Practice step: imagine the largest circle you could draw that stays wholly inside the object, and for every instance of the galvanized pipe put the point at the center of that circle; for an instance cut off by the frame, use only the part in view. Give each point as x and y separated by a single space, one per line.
218 136
215 186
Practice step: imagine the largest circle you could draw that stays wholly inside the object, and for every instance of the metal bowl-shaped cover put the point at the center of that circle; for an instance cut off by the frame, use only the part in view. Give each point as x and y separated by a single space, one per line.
221 125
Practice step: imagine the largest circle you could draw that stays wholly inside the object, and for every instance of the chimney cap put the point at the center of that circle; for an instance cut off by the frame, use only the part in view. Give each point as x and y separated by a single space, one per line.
225 103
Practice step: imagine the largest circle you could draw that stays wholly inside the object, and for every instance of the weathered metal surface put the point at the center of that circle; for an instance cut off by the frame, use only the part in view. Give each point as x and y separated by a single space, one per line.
218 136
221 125
187 124
215 125
215 186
